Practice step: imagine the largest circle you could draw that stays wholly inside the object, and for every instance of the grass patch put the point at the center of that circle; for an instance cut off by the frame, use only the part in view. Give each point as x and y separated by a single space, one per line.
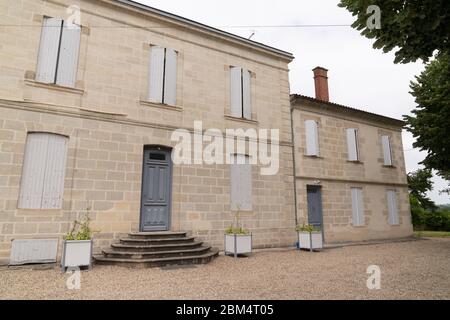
436 234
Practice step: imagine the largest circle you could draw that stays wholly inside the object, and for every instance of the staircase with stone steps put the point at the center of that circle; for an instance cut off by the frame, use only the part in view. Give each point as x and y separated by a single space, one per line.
156 249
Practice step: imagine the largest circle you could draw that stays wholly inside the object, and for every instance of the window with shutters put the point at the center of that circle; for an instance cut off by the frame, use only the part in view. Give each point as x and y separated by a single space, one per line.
241 183
352 144
163 75
240 90
357 207
392 207
43 171
58 52
387 151
312 138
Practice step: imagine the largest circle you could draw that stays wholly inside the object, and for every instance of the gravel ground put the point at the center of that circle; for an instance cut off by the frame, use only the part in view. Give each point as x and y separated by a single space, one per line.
409 270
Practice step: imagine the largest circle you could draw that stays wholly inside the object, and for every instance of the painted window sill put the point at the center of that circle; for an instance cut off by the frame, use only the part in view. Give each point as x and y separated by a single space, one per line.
389 166
245 120
53 86
160 105
355 161
312 156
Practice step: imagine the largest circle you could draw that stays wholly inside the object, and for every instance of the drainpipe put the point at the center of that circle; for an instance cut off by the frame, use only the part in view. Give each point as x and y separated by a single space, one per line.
294 164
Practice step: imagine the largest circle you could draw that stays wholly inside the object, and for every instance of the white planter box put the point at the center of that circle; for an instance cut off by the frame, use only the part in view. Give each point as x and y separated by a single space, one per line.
76 253
238 244
310 241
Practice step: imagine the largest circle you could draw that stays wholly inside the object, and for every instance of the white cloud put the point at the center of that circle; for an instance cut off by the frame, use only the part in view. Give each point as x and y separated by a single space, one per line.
359 76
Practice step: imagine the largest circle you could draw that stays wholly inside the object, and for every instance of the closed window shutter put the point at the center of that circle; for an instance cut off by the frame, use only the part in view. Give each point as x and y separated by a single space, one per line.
55 172
246 94
170 78
352 146
48 50
33 171
312 138
156 74
68 56
241 183
392 207
236 91
42 181
386 150
357 207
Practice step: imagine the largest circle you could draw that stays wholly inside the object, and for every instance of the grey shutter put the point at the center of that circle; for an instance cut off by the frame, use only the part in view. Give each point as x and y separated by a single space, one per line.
33 171
386 150
68 56
156 74
170 81
357 207
48 50
236 91
392 207
352 144
246 92
241 183
312 138
53 191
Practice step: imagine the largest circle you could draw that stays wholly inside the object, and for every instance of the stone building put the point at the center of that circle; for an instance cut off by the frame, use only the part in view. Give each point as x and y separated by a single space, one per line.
350 169
93 94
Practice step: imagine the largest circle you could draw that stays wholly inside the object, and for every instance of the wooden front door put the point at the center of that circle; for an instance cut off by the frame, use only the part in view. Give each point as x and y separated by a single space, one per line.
156 189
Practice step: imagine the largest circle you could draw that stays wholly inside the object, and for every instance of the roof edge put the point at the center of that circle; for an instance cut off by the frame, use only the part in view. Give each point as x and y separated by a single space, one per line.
353 111
134 4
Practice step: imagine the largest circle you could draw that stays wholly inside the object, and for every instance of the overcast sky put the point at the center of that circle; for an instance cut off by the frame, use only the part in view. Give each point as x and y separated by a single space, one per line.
359 76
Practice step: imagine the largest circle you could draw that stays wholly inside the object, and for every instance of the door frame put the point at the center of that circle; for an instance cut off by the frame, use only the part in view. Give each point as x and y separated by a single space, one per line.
167 150
319 189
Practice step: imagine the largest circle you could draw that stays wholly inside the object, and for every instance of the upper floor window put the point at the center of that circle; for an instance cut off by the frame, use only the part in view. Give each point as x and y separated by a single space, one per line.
352 144
58 52
162 75
241 183
43 171
240 93
387 152
357 207
312 138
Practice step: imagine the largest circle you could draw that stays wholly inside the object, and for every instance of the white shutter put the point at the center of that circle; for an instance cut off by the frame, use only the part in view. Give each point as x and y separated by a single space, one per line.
236 91
352 147
392 207
33 171
68 56
42 182
241 183
156 74
246 94
55 172
170 80
386 150
48 50
357 207
312 138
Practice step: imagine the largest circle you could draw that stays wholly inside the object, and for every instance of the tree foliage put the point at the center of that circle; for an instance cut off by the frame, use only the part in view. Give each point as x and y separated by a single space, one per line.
430 122
419 183
417 28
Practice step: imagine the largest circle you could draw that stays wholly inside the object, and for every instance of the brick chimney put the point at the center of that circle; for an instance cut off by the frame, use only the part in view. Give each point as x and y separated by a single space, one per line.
321 83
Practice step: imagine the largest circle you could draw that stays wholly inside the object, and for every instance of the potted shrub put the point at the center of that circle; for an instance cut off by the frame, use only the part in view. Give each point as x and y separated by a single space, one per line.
77 245
237 239
309 237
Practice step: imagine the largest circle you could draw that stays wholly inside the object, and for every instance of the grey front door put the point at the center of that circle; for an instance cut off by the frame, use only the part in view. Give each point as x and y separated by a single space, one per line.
156 189
314 199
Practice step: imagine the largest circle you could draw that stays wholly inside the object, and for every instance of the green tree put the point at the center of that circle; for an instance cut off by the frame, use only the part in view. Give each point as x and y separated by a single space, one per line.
419 183
430 120
416 28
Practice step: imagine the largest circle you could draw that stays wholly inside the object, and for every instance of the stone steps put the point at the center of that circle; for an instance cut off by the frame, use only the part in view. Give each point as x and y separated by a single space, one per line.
156 249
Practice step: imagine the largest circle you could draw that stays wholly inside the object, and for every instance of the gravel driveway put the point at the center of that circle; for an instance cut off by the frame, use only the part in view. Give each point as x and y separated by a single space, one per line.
409 270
